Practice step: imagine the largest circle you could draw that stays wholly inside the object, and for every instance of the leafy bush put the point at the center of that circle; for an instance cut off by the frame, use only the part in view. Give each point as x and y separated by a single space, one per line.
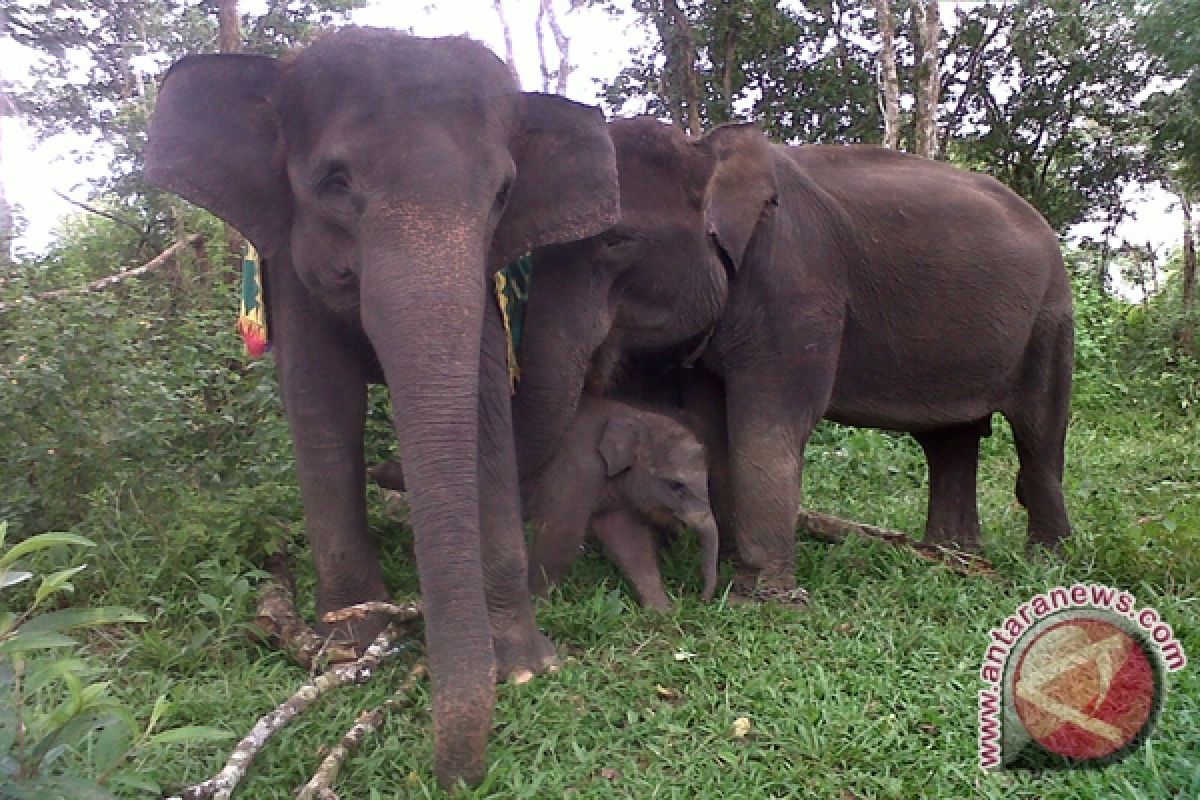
63 734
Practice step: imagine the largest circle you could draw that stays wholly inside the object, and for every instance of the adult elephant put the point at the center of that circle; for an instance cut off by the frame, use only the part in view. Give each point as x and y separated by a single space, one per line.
384 178
855 283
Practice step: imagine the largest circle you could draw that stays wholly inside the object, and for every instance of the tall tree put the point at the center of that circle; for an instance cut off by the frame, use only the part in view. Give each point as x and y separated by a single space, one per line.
229 29
100 61
928 29
547 19
805 72
889 79
1045 98
1187 331
509 58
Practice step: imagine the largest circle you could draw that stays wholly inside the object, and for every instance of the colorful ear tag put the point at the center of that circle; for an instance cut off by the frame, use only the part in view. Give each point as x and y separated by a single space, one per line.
252 322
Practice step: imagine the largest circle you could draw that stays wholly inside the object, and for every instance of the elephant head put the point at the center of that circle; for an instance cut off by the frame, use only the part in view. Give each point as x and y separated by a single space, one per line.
653 281
657 467
383 178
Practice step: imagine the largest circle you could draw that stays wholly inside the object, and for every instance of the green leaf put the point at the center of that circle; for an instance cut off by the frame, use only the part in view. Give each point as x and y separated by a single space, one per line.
23 642
12 577
58 668
161 706
110 744
69 618
190 733
40 542
55 582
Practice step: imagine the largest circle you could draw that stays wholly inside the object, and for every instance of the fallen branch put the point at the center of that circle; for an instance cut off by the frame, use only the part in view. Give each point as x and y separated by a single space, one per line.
222 785
404 613
276 619
101 213
828 528
320 786
195 240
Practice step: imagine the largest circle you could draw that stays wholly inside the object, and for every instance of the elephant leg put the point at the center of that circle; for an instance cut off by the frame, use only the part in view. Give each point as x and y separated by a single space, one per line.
324 389
555 549
1039 413
704 401
953 456
632 545
521 649
767 435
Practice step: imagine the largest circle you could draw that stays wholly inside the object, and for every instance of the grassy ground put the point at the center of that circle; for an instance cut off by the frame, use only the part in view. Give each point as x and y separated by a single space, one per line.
869 694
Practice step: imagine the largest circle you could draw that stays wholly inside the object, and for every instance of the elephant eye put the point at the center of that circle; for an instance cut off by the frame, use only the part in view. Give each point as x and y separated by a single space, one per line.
677 486
615 237
336 182
337 193
502 195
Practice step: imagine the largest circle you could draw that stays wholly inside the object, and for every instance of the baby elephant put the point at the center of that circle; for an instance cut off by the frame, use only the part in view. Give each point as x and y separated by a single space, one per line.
625 474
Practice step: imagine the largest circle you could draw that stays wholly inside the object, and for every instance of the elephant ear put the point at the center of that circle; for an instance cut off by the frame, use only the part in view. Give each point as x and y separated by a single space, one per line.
619 443
566 182
742 187
215 141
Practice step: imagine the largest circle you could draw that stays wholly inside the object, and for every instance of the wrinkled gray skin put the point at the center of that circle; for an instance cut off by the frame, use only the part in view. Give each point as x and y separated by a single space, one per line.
384 178
624 474
855 283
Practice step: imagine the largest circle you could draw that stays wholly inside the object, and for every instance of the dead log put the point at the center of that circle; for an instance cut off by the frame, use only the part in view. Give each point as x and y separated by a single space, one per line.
828 528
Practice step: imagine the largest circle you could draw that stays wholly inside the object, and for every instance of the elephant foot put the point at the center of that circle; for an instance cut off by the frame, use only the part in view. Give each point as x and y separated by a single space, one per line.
1044 546
521 656
764 587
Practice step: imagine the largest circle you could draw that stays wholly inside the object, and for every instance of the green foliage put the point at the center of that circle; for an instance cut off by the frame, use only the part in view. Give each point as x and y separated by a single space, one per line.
63 734
1049 102
802 71
1171 31
99 68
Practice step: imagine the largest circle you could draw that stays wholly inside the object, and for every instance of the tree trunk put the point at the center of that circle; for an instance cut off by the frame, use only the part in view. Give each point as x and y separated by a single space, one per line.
929 27
1187 332
680 45
508 45
890 80
229 36
562 42
7 225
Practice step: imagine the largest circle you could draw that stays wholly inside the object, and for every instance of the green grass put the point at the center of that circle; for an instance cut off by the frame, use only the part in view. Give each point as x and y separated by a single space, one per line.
869 694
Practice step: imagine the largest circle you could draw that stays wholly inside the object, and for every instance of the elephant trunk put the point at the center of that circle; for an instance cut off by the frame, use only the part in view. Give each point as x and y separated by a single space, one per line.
422 308
566 321
705 526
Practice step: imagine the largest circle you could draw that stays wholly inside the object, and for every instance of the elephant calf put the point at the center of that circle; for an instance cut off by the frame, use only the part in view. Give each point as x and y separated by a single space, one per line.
624 474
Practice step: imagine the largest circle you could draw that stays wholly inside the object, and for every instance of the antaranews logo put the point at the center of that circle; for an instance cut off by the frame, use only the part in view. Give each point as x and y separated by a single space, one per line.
1074 677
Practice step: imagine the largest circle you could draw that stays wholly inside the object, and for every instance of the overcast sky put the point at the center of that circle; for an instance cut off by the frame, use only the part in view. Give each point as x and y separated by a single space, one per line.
599 45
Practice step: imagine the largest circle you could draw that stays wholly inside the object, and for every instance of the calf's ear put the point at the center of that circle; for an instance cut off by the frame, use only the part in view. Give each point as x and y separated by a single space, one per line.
618 444
566 182
215 141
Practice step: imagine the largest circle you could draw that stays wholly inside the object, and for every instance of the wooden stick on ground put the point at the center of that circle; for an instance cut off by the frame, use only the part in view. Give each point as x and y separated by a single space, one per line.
403 613
828 528
320 786
221 786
